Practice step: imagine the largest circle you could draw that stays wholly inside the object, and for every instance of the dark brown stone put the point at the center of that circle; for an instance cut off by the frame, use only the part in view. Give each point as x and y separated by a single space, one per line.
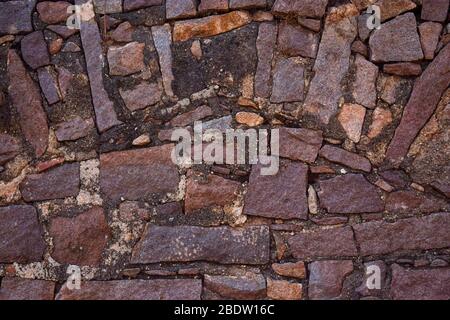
290 269
288 81
364 87
159 289
413 202
217 244
9 148
403 69
106 116
58 183
265 45
212 5
15 16
302 8
49 85
26 289
34 50
63 31
428 284
212 192
396 41
80 240
189 117
297 41
26 97
326 278
250 286
247 4
435 10
379 237
130 5
350 193
346 158
426 94
178 9
53 12
331 243
278 196
300 144
138 174
74 129
21 236
442 187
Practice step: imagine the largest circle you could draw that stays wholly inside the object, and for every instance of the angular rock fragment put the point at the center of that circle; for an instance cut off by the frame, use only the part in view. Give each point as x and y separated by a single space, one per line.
106 116
379 237
123 33
34 50
302 8
297 41
265 45
126 60
15 16
212 193
350 193
26 97
426 94
179 9
249 119
429 37
411 202
300 144
53 12
288 81
364 86
403 69
159 289
49 85
80 240
74 129
435 10
21 236
284 290
108 6
63 31
9 148
333 243
247 4
141 96
138 174
212 5
381 118
58 183
326 278
290 269
209 26
26 289
130 5
279 196
162 37
218 244
190 117
325 89
390 9
250 286
428 284
346 158
396 41
351 117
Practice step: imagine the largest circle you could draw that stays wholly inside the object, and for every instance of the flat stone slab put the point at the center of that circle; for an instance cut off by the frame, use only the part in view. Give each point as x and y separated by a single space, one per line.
15 16
14 289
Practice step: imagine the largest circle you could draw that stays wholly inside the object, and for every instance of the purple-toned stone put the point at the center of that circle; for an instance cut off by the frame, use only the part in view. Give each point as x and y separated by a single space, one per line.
346 158
34 50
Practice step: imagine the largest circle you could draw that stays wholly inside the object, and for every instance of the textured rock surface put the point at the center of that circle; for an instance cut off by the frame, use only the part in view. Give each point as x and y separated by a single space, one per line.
300 144
247 287
288 81
15 16
14 289
327 277
345 158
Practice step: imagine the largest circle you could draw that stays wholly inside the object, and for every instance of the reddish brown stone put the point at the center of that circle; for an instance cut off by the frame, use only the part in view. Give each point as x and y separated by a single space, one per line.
288 81
442 187
284 290
178 9
49 85
80 240
397 40
346 158
21 236
159 289
390 9
332 243
26 289
297 41
250 286
26 97
127 59
396 178
212 192
34 50
326 278
410 201
212 5
429 38
361 48
225 245
190 117
130 5
311 24
9 148
290 269
45 165
265 45
53 12
364 289
300 144
350 193
63 31
429 284
15 16
247 4
123 33
435 10
403 69
364 87
278 196
74 129
425 96
141 96
138 174
58 183
302 8
379 237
